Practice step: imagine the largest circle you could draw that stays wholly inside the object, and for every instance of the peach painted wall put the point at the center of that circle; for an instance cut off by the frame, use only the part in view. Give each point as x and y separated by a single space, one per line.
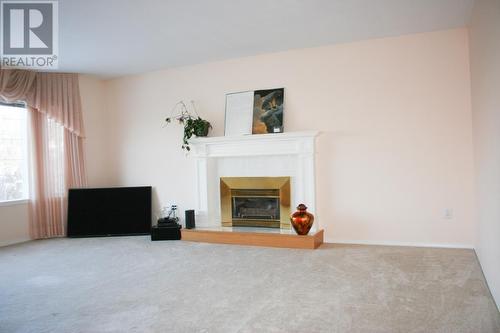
396 143
485 71
14 224
96 120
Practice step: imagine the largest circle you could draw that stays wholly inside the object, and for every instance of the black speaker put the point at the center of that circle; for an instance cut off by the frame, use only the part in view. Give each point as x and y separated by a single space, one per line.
190 219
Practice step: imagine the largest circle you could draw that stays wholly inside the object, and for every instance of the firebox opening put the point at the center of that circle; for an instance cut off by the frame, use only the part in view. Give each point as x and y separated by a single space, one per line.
256 205
255 201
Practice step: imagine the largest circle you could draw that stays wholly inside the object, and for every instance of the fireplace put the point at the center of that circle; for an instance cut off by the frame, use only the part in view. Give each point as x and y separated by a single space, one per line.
255 202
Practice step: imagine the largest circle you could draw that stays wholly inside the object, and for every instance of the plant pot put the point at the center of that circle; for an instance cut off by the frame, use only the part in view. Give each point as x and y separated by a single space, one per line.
202 130
302 220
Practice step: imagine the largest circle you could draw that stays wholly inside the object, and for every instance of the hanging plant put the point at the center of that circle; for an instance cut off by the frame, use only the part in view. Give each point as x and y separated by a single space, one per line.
193 123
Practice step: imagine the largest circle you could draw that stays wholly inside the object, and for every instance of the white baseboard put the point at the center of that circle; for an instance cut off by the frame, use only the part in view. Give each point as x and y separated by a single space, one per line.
13 241
395 243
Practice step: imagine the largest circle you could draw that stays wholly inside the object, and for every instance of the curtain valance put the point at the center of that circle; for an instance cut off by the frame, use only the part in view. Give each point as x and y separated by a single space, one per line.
16 85
55 94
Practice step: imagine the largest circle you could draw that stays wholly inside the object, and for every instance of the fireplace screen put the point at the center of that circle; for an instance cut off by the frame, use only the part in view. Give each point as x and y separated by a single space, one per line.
254 207
264 203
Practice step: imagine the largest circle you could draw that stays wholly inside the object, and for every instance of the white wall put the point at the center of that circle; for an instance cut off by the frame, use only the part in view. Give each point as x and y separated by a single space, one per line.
485 70
396 148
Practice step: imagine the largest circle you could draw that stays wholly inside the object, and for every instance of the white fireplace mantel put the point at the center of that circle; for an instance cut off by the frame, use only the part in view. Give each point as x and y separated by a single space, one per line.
266 155
295 143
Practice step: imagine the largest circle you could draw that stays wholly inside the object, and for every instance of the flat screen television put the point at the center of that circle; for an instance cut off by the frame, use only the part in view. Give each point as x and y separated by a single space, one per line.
115 211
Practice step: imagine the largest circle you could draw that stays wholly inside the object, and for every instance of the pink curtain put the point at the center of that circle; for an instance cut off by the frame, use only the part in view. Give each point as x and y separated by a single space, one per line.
76 174
57 143
47 183
58 96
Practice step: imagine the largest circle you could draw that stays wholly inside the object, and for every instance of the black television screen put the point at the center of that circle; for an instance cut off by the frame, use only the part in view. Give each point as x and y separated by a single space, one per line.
109 211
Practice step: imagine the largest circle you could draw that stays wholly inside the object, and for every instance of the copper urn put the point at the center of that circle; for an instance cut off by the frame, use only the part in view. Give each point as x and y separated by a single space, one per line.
302 220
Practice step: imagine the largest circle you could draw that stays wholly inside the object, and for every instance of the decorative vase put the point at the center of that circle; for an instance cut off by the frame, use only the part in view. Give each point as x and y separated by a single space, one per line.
302 220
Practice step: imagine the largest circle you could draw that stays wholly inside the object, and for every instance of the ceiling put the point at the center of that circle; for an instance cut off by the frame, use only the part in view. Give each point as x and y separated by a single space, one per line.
119 37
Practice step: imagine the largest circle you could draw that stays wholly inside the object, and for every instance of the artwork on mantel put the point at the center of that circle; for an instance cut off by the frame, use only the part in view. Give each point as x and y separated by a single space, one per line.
254 112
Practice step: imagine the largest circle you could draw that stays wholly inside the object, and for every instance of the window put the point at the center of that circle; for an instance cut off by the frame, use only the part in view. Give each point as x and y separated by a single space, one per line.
13 152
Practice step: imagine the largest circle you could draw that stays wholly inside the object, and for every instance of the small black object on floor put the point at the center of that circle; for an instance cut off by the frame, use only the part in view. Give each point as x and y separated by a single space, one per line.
166 231
190 224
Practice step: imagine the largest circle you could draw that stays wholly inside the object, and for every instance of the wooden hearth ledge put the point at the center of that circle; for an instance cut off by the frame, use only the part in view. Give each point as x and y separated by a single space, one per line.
283 240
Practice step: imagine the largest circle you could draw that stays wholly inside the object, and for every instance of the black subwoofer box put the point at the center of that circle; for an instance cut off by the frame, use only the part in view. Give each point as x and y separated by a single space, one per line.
166 233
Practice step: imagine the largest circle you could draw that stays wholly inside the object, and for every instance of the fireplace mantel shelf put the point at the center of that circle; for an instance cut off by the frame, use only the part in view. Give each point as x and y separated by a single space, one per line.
254 137
250 145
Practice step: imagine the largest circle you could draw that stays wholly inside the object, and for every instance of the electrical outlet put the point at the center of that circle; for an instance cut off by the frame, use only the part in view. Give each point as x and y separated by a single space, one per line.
448 213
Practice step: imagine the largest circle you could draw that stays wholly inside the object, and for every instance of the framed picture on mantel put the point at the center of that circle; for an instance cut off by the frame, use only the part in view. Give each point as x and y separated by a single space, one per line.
254 112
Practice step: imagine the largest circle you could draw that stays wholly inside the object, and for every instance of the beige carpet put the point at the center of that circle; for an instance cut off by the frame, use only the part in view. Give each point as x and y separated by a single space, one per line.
129 284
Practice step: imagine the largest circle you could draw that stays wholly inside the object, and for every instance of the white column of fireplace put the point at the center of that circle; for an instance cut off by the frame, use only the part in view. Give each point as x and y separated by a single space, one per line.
267 155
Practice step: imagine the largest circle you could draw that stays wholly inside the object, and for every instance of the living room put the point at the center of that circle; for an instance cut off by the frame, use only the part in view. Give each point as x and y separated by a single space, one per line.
380 117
